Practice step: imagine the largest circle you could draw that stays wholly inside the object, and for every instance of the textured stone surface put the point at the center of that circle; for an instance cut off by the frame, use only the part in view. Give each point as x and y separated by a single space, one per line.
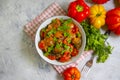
18 57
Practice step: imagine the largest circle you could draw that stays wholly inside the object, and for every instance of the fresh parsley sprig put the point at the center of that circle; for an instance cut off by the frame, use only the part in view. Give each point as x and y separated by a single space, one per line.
96 41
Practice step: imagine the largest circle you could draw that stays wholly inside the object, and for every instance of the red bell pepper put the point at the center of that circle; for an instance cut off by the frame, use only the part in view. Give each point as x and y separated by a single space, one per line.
78 10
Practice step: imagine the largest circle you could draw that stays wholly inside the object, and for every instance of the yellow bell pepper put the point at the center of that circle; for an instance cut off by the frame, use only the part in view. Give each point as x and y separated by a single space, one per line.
97 15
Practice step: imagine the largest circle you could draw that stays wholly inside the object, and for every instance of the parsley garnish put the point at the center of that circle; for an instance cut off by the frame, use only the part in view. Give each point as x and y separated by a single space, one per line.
66 34
65 26
58 45
55 39
52 31
66 47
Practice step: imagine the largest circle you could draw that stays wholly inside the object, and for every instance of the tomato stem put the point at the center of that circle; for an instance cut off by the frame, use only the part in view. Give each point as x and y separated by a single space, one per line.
73 76
79 8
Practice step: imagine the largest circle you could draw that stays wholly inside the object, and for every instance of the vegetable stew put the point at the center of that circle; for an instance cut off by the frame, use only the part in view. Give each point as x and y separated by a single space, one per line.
60 40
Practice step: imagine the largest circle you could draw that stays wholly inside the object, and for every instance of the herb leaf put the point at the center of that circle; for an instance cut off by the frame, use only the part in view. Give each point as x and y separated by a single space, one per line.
96 41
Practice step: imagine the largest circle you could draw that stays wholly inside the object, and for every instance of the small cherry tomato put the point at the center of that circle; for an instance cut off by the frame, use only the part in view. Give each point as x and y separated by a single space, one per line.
41 45
75 29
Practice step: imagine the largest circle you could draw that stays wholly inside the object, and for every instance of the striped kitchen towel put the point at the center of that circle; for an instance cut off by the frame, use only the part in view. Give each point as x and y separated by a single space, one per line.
30 28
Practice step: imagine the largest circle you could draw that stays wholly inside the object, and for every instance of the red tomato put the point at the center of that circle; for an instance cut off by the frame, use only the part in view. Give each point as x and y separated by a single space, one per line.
51 57
100 1
113 20
71 73
41 45
65 57
75 29
117 30
75 52
71 46
65 41
42 34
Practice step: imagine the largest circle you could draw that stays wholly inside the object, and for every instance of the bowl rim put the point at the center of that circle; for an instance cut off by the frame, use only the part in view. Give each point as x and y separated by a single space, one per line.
55 62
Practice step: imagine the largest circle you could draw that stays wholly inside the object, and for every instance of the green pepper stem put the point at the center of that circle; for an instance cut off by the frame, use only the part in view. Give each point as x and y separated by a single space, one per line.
79 8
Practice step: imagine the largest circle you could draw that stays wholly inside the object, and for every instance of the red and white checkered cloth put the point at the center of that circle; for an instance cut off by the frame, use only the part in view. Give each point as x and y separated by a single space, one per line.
53 10
31 28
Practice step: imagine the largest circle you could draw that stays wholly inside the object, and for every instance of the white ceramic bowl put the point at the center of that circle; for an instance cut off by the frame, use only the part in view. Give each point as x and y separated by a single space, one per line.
55 62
